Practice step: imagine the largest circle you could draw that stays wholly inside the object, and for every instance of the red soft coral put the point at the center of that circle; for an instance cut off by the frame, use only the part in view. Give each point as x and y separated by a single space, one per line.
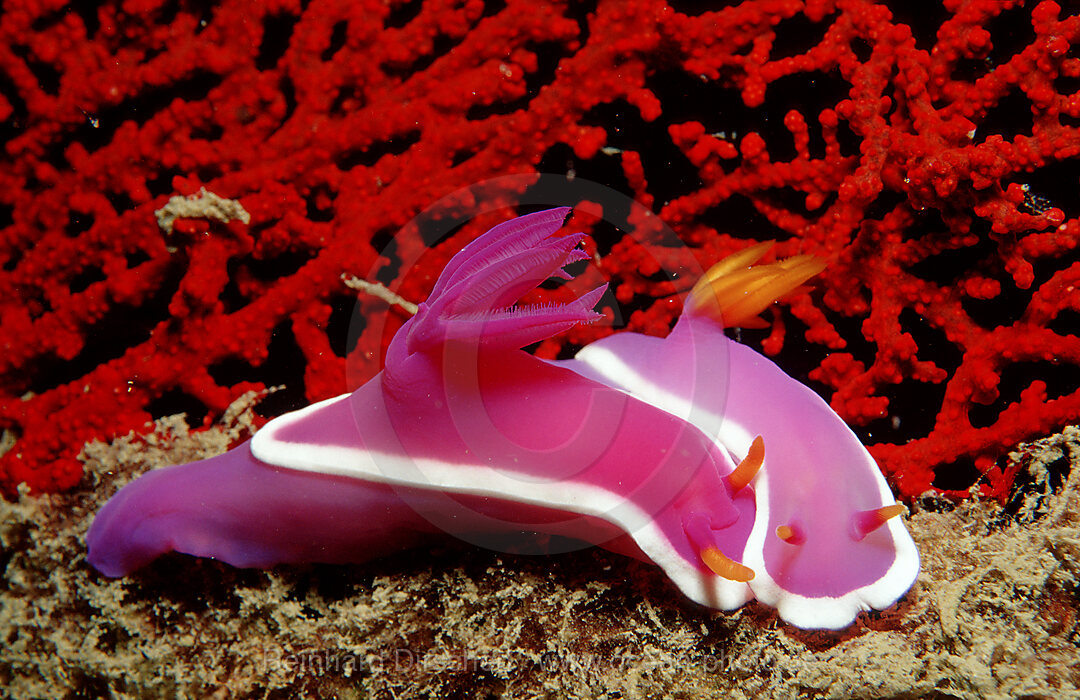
929 158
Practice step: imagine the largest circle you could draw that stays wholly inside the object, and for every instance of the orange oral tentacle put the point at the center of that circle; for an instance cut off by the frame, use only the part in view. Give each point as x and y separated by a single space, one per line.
866 521
748 467
792 534
725 567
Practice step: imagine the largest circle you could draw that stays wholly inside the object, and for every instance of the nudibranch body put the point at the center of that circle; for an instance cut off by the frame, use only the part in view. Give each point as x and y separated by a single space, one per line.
465 433
462 432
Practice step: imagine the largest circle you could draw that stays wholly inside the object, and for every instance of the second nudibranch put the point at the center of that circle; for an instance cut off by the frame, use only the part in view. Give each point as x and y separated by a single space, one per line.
826 542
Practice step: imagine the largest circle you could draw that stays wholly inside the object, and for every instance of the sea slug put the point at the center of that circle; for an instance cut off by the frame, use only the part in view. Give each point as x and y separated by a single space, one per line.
693 451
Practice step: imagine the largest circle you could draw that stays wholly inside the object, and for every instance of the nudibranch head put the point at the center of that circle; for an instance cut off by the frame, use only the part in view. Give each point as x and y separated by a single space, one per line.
827 541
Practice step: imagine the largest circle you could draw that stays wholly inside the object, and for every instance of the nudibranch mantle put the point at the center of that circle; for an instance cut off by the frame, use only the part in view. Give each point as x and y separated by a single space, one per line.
623 446
378 436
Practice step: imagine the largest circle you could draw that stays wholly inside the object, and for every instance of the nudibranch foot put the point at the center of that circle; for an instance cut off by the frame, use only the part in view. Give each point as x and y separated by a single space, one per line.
247 513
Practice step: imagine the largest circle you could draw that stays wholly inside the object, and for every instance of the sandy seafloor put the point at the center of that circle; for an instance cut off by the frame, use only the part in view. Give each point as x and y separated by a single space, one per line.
994 613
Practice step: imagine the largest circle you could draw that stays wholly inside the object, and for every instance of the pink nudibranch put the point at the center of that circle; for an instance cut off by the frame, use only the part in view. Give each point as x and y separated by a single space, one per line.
692 451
